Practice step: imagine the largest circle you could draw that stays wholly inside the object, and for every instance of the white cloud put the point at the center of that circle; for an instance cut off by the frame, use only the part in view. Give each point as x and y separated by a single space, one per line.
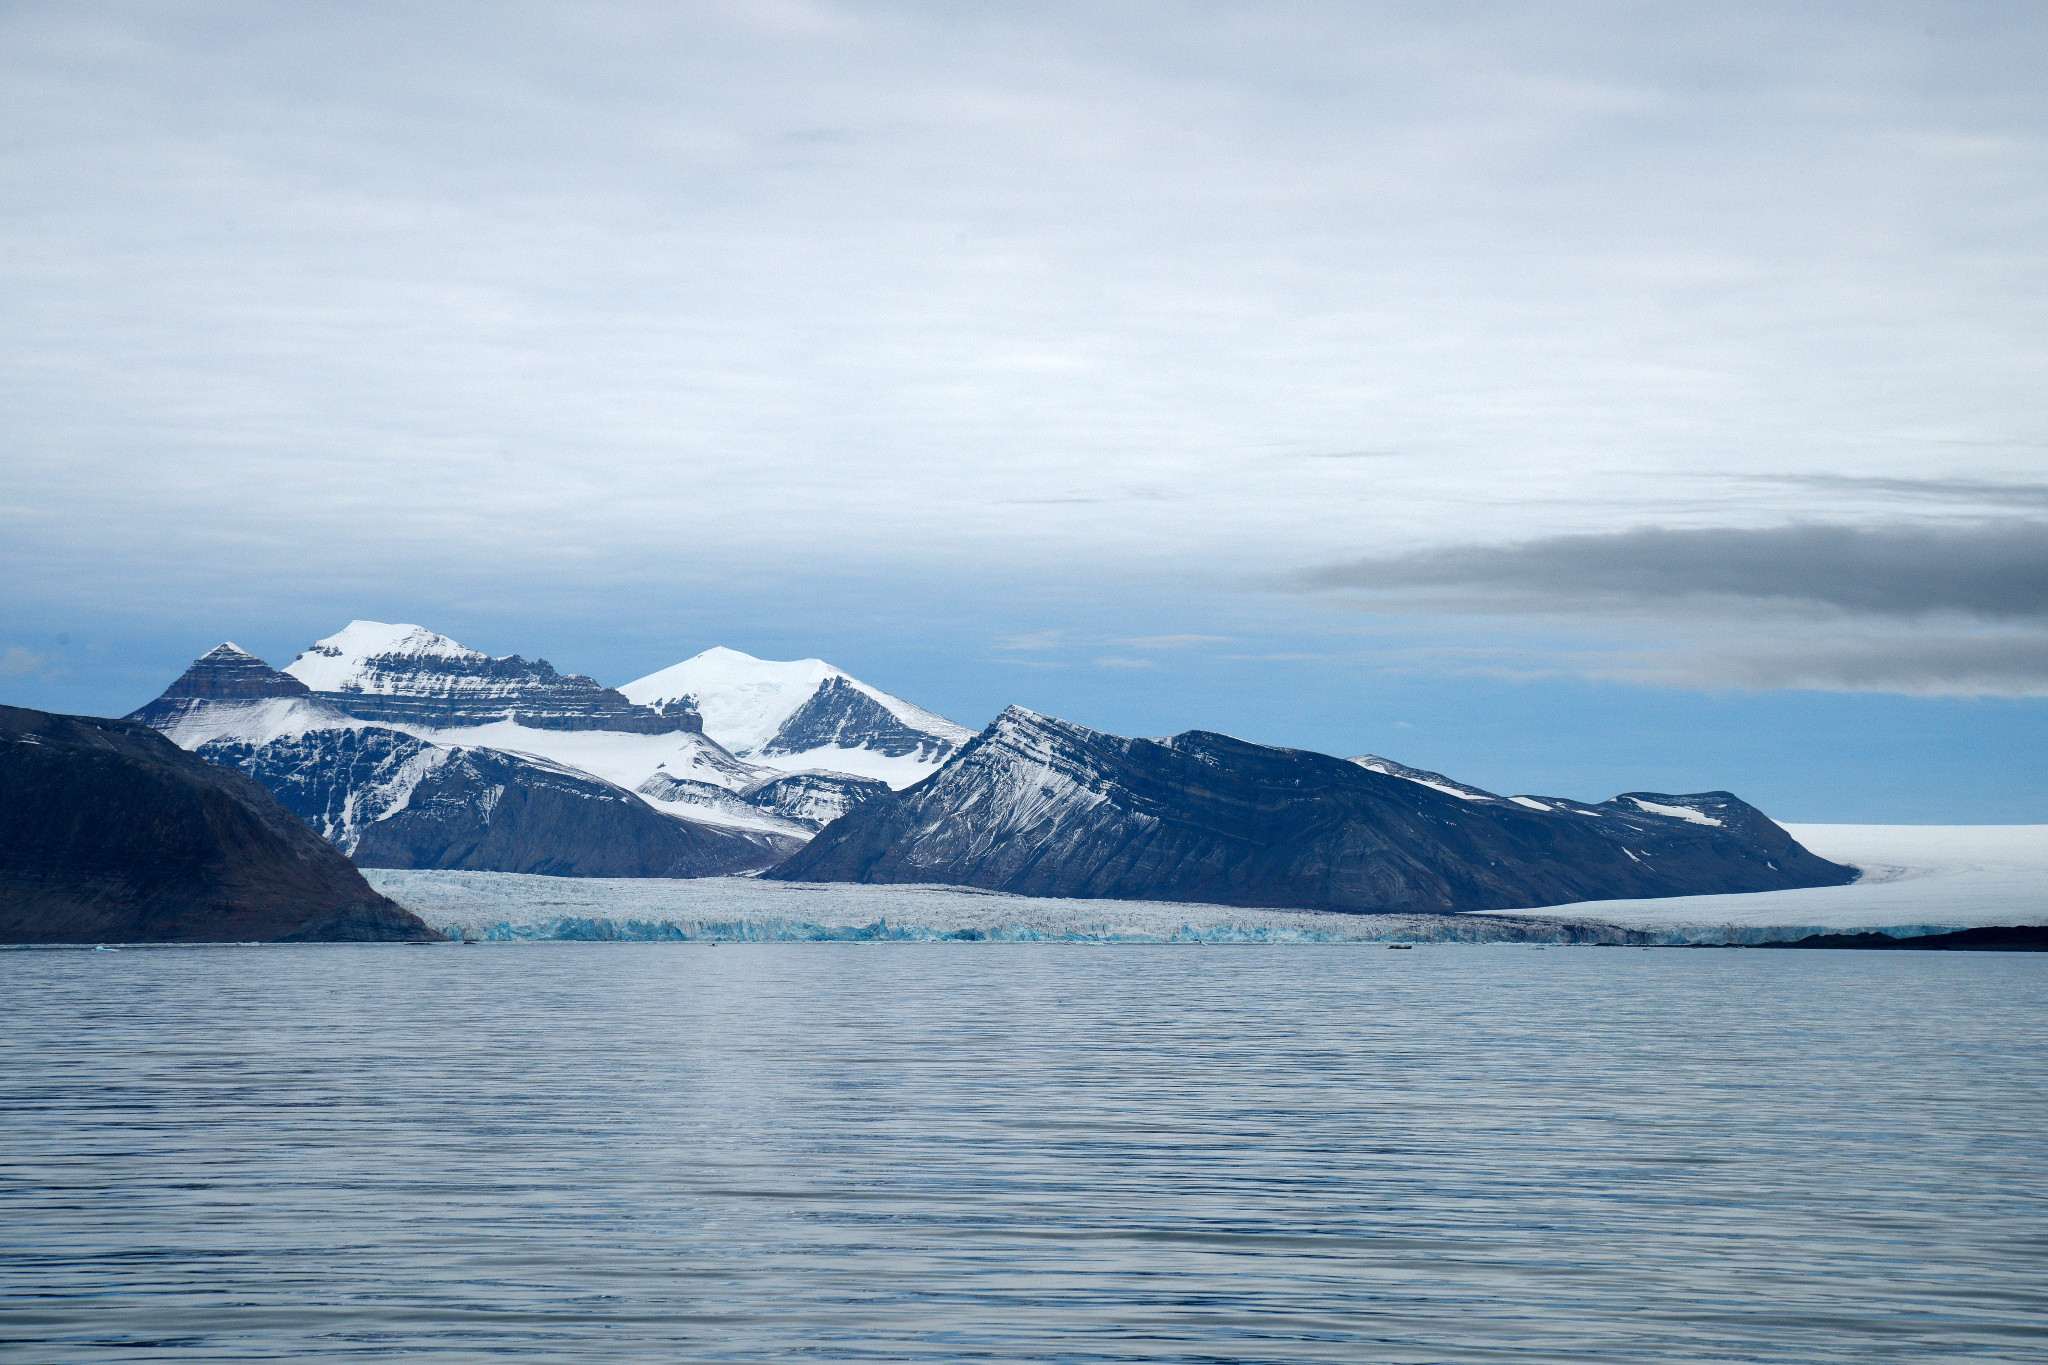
647 297
1171 641
1035 641
18 662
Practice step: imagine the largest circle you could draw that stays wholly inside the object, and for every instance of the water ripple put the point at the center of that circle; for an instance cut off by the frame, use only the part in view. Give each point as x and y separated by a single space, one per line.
1021 1152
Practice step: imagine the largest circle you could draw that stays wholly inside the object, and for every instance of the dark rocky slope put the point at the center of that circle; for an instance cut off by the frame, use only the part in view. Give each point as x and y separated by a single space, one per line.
111 833
1041 807
840 714
483 810
2008 938
388 799
224 676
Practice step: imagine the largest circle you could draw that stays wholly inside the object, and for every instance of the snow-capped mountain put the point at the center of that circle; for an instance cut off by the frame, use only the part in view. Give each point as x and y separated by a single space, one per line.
407 674
435 689
414 795
1038 806
229 691
803 714
399 743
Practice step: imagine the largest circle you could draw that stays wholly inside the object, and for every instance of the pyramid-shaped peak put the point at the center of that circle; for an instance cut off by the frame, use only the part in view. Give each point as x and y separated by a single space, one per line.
228 672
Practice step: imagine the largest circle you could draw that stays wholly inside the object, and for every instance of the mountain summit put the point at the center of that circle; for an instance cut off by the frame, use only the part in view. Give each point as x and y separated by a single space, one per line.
408 674
803 713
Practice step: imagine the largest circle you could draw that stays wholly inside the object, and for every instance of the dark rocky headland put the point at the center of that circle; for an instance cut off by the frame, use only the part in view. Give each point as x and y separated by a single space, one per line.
111 833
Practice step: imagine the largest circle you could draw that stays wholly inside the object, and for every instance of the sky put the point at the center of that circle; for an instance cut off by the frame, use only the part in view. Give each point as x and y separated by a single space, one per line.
1571 398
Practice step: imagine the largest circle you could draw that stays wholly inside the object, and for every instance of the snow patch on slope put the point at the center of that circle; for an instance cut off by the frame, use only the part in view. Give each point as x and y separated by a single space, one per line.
1421 777
620 757
256 721
1686 813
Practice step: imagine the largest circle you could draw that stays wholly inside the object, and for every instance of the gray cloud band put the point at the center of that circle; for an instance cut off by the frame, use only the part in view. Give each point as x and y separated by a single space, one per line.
1993 571
1993 665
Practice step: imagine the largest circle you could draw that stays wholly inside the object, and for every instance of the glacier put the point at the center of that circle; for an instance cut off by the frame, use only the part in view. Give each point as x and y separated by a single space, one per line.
1916 880
510 907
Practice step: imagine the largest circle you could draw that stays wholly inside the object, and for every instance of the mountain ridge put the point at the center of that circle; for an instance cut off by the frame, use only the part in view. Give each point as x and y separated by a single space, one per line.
591 794
1038 806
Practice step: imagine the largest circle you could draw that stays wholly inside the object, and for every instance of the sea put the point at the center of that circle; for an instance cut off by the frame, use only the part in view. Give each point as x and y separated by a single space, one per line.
1022 1151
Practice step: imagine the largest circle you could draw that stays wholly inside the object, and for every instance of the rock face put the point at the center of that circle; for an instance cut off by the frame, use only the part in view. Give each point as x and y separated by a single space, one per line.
388 799
813 799
1040 807
111 833
840 715
224 673
339 781
406 674
228 672
804 714
482 810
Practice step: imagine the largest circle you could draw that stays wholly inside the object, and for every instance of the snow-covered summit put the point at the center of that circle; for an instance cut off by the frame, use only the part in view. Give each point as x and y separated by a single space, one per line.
343 661
803 713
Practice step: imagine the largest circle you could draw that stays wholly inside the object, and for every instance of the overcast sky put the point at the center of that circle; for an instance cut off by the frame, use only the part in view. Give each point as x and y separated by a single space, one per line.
1602 370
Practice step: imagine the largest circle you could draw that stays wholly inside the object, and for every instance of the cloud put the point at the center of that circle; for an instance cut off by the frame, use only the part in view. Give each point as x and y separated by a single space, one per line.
1924 609
1985 491
1036 640
1994 571
1042 288
1171 641
1114 662
1942 665
20 663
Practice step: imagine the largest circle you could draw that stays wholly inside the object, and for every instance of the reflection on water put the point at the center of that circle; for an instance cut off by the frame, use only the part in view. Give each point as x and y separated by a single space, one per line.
1021 1152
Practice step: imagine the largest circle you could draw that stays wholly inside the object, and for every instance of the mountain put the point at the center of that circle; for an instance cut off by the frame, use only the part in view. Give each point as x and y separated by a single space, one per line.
483 810
1037 806
402 795
227 692
410 675
803 714
428 686
111 833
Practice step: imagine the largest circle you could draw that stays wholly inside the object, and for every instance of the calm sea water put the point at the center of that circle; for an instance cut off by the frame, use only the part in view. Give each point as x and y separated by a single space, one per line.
1022 1152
